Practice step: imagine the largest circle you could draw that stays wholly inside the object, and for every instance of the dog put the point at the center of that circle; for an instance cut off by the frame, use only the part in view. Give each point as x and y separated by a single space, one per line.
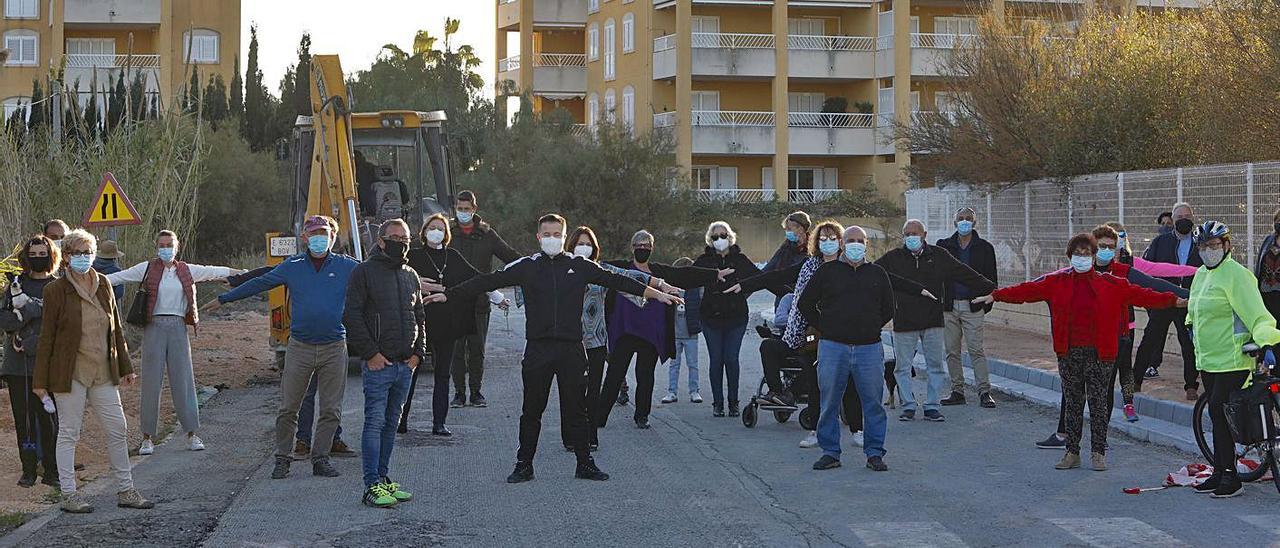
892 382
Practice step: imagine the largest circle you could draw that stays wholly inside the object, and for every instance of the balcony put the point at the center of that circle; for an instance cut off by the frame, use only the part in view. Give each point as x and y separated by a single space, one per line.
546 13
831 57
554 74
736 195
84 67
664 57
733 132
718 54
824 134
131 12
930 53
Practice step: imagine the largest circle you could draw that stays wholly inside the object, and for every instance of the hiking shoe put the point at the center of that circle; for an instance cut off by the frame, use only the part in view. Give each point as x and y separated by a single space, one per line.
877 464
933 415
194 443
75 504
1230 486
147 447
588 470
301 450
827 462
341 450
733 408
1151 373
985 400
1210 485
459 400
395 490
809 441
1130 414
643 423
281 470
1069 461
1099 462
858 439
477 399
322 467
717 409
441 430
1054 441
133 499
1193 394
378 496
908 415
956 398
522 473
671 398
695 397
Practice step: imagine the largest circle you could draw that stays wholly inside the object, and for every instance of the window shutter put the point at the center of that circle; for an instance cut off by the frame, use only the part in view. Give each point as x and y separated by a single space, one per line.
727 177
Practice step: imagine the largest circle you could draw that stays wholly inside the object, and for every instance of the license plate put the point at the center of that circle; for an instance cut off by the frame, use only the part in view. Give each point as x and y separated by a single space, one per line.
284 246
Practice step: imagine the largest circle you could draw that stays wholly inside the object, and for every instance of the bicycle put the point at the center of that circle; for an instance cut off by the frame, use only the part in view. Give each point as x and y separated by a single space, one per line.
1267 451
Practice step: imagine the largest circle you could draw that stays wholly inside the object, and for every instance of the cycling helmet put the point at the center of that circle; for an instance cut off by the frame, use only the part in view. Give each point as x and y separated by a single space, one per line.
1210 230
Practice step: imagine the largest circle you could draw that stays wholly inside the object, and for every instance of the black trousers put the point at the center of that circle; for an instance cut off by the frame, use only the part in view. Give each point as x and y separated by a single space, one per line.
1151 350
646 356
36 428
566 362
590 394
441 357
1220 386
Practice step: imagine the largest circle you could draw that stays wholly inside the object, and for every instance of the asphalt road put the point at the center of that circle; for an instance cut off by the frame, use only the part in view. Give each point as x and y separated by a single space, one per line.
974 480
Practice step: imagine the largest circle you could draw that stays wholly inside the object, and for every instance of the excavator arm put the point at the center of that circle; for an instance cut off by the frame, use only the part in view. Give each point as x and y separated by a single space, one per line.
333 190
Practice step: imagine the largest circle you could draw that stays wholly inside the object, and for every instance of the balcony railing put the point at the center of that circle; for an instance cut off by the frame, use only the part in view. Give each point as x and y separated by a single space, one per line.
510 63
830 120
737 195
732 118
941 41
732 41
812 196
103 61
580 130
560 60
664 43
664 119
831 43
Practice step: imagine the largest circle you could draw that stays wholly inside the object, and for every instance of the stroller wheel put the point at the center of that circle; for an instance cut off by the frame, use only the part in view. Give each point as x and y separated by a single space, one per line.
782 416
809 417
749 416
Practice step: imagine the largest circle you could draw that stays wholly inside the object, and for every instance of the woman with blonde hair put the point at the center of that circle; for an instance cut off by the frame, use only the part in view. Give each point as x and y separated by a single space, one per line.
724 315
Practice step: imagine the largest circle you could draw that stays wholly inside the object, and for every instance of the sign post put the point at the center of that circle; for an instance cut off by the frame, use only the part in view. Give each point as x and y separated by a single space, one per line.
111 207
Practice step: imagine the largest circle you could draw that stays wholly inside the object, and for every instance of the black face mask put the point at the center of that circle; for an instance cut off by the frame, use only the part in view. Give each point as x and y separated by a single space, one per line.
642 255
41 265
1183 226
397 251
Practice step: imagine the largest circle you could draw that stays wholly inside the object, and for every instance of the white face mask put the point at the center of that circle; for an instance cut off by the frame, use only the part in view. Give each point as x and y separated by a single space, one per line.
1213 257
583 251
721 244
435 236
552 246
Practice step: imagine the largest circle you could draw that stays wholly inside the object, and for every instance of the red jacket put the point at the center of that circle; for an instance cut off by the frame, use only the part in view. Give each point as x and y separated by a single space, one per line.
1111 313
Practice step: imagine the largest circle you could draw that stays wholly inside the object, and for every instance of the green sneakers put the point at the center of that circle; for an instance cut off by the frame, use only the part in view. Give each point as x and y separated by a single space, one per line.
394 488
378 497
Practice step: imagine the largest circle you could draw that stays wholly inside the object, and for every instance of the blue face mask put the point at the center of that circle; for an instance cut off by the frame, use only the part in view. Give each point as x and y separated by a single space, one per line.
1081 263
829 247
165 253
964 227
465 217
1105 256
318 244
792 237
81 263
914 243
855 251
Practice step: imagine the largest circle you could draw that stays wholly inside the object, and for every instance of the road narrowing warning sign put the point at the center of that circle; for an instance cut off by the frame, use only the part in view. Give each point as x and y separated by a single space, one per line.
111 207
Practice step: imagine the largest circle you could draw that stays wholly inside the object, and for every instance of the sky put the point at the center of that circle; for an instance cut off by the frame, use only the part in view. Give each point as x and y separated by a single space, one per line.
357 30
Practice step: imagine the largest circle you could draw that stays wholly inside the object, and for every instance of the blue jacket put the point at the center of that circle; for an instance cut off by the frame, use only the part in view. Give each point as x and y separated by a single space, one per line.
316 299
109 266
1164 249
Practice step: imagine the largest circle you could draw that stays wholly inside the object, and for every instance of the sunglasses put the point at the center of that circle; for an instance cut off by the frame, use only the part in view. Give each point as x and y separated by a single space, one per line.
715 237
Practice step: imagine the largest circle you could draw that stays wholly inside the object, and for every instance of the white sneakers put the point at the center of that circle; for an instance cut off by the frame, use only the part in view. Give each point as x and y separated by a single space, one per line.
147 447
671 398
857 438
810 441
695 397
194 443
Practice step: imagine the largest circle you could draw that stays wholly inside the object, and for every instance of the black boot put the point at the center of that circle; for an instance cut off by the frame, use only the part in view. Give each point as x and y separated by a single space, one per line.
28 478
588 470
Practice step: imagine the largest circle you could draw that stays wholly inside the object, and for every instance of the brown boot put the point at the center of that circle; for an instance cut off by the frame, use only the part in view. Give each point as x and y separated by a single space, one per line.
340 449
301 450
1099 462
133 499
1069 461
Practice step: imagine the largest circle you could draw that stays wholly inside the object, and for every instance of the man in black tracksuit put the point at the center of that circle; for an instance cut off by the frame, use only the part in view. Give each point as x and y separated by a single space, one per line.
554 284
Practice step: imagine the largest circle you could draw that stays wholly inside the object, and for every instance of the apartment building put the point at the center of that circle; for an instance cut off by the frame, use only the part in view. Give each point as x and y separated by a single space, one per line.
743 83
162 40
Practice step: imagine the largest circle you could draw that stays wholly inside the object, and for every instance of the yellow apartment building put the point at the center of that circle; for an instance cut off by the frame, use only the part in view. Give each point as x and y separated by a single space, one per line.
163 40
742 83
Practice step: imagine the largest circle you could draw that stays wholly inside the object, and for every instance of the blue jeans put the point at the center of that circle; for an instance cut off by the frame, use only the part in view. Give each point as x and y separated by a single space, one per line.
933 343
864 365
688 348
724 342
307 416
384 393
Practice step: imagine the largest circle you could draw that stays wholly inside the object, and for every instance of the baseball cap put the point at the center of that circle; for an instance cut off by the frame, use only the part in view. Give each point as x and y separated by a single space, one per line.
315 222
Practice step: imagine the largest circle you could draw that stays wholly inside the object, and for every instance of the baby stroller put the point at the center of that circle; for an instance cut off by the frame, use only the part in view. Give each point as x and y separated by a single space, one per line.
799 377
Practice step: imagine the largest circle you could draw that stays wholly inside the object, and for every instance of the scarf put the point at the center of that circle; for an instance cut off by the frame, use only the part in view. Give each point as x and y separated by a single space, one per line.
796 325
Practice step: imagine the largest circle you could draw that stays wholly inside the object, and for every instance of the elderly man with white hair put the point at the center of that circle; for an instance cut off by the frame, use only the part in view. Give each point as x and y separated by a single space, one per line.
918 318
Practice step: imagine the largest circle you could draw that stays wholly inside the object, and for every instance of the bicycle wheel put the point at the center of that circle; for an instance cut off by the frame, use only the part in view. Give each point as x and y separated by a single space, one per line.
1200 419
1202 426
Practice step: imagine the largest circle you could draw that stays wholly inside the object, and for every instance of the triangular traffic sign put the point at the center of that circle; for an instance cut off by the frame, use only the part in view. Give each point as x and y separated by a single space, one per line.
111 207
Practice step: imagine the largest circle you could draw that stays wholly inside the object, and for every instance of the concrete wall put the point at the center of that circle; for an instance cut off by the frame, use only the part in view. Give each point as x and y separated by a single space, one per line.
113 11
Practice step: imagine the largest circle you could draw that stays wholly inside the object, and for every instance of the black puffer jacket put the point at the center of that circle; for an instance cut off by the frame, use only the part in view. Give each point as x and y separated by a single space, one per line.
717 307
384 309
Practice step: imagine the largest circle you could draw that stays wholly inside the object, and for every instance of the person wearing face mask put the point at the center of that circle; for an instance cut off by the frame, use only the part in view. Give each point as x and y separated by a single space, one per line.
849 301
1089 312
1226 311
795 248
81 358
445 322
964 319
1173 248
480 244
166 347
1164 223
317 283
918 319
21 310
554 285
384 318
1268 268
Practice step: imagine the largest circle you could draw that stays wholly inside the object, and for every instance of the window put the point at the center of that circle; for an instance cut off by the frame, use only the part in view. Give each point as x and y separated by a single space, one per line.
12 104
21 9
801 178
23 46
629 106
706 107
593 6
103 50
705 23
805 102
610 45
593 42
200 46
806 27
955 25
593 110
610 104
885 98
628 33
703 177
